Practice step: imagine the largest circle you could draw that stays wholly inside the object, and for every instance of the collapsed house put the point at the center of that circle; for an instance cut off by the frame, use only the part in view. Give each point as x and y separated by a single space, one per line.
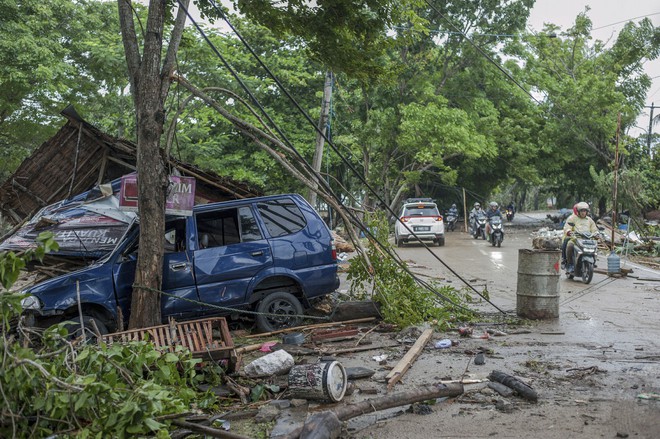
70 185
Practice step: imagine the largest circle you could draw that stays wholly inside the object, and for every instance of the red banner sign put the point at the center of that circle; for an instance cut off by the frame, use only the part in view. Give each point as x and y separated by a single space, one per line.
180 195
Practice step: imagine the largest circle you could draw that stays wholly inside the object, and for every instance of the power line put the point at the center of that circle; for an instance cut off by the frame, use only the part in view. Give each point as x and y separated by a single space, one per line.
625 21
321 181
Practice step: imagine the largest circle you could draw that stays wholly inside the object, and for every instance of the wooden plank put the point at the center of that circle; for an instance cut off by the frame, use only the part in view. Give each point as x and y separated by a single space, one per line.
208 332
404 364
189 342
227 341
317 325
201 340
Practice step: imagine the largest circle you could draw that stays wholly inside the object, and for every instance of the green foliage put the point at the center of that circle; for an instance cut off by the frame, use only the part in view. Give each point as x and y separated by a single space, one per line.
112 391
52 53
402 300
11 264
118 390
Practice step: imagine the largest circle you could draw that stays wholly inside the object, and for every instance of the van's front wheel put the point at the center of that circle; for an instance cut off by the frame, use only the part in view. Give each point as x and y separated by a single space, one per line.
278 311
90 324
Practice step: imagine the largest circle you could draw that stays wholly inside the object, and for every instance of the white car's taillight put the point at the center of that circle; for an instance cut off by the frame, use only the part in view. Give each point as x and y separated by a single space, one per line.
334 251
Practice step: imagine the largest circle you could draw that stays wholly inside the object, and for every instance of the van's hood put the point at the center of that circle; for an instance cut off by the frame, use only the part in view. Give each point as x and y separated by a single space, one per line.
91 273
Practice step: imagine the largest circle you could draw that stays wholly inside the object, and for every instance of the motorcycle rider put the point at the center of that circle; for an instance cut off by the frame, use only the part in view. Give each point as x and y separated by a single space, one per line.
453 210
570 219
494 210
580 223
473 216
512 207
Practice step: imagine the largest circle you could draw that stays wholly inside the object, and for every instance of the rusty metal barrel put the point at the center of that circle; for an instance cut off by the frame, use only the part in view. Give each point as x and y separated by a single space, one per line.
537 294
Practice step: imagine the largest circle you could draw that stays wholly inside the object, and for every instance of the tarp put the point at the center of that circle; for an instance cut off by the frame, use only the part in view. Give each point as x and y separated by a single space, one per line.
88 225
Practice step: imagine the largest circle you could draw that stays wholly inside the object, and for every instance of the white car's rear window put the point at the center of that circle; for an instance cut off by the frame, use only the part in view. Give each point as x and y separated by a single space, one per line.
420 210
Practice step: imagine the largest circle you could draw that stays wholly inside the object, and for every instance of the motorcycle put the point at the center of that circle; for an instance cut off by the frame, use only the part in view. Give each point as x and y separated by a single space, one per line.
496 233
451 221
584 256
509 214
479 226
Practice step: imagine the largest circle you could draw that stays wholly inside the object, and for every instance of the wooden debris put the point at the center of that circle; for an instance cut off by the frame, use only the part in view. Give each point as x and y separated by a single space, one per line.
350 411
357 349
404 364
317 325
208 431
355 310
325 335
341 244
251 347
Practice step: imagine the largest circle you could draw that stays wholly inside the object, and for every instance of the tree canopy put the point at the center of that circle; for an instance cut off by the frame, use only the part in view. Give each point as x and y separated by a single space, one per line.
428 96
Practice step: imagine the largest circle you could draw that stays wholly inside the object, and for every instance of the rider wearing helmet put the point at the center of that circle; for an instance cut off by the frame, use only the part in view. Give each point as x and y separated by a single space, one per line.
580 223
473 214
493 210
453 210
570 219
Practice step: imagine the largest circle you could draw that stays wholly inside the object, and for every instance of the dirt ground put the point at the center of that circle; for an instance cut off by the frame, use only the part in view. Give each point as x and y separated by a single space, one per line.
596 368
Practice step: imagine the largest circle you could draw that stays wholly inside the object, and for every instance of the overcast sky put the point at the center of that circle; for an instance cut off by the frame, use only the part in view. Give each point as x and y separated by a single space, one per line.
608 17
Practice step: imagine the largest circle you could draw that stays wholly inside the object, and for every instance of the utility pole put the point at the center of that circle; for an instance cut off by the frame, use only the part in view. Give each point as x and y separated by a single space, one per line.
650 133
320 139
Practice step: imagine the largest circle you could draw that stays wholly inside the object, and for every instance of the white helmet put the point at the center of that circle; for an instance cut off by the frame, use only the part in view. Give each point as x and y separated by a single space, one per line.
582 206
493 205
477 205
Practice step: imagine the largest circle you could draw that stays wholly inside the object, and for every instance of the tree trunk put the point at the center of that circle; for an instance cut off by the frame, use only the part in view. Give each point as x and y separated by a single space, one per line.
149 76
152 178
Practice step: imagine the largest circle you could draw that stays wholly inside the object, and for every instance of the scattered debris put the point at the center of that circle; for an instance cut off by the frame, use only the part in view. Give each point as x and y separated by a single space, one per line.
295 338
501 389
404 364
275 363
465 331
328 335
326 380
419 408
443 344
346 412
208 339
521 388
585 370
479 359
355 373
318 325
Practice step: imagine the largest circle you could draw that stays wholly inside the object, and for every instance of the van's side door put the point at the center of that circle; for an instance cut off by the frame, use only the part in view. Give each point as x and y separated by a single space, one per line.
180 299
232 250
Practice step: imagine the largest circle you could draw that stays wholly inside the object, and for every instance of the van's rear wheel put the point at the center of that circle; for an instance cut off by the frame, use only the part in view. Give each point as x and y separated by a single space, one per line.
278 311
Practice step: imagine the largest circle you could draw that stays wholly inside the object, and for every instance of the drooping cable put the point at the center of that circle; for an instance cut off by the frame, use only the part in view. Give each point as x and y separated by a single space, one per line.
320 180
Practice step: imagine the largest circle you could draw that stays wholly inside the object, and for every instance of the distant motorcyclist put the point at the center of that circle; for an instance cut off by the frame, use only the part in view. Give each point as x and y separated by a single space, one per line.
493 210
581 223
511 207
453 211
570 219
476 210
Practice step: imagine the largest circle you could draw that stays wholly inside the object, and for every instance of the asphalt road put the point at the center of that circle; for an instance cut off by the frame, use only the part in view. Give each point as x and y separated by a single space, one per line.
593 366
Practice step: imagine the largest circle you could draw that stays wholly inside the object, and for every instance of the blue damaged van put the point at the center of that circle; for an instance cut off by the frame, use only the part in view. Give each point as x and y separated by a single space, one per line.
269 254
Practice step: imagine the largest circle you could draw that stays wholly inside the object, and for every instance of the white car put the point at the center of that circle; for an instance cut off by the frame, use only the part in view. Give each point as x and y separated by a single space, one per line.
423 221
